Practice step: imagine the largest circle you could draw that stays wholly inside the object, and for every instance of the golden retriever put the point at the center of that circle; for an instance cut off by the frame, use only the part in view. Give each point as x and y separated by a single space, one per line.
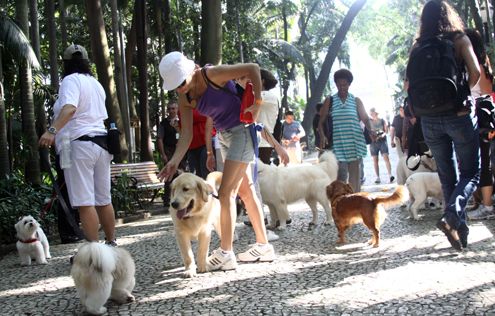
351 208
195 211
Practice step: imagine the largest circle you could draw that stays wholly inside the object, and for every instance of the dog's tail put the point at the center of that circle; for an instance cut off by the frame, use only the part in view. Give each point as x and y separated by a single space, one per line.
214 179
400 196
328 162
97 257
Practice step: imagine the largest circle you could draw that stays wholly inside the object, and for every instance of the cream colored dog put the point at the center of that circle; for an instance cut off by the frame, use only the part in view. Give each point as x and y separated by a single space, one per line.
422 185
101 272
280 186
195 211
426 164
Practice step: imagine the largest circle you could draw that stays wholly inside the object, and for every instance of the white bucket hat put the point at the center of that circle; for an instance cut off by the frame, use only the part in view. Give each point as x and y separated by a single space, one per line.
174 69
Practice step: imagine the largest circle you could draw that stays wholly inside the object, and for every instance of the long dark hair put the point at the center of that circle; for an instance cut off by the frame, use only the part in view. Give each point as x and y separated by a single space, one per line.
480 51
76 65
439 17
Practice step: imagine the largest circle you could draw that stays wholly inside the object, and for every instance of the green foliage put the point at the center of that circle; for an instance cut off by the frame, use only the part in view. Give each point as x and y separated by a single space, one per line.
124 196
17 199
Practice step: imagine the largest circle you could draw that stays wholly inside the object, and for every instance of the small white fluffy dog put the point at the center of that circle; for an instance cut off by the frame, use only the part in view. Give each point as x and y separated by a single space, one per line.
426 164
422 185
280 186
101 272
195 213
32 242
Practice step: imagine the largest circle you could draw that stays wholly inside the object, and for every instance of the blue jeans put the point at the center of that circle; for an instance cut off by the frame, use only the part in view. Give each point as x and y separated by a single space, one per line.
446 135
197 161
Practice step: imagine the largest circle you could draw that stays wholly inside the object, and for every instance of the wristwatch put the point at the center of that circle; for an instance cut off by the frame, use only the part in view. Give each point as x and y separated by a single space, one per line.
52 130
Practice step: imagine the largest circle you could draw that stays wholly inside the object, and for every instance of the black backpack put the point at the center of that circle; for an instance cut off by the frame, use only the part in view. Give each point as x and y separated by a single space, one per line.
437 84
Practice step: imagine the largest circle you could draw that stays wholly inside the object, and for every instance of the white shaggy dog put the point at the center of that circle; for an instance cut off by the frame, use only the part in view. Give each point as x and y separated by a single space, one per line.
422 185
280 186
101 272
32 242
426 164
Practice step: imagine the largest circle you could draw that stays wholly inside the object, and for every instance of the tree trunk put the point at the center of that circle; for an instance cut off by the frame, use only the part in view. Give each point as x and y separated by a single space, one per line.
4 145
52 44
40 107
333 49
211 32
141 36
101 55
63 25
119 74
30 139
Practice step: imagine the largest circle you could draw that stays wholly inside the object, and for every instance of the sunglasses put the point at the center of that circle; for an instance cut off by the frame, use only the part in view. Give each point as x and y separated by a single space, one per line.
182 84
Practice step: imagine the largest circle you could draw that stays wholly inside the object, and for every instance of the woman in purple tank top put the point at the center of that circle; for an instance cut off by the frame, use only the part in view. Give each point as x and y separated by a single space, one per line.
212 92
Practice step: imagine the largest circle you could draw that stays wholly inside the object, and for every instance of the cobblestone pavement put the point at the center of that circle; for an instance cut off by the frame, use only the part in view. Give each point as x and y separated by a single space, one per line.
414 271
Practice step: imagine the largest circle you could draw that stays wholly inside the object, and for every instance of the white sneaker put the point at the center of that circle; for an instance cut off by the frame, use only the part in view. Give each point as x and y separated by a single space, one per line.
220 260
482 212
271 236
257 252
378 181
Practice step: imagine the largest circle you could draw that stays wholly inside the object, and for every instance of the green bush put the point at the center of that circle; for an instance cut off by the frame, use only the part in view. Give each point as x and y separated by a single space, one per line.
17 199
124 196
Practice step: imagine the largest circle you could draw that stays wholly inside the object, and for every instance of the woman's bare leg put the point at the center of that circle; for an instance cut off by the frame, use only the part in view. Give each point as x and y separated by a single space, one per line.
233 172
247 192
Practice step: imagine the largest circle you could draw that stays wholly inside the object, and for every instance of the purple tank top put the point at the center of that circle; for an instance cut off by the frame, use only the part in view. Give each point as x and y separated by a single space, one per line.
223 107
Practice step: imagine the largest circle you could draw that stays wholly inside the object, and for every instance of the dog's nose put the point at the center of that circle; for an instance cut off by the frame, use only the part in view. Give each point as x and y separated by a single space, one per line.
175 204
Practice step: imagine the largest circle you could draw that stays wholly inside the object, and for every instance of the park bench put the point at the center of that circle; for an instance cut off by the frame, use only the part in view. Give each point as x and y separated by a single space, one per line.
141 177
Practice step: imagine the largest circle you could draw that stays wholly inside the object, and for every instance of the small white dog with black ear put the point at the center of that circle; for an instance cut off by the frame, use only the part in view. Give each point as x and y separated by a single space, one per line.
32 242
101 272
422 185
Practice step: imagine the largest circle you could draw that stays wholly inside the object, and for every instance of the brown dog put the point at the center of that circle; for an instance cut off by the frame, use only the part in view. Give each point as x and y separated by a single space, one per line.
350 208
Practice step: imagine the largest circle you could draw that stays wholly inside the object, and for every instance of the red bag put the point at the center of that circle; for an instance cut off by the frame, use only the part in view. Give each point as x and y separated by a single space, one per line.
247 101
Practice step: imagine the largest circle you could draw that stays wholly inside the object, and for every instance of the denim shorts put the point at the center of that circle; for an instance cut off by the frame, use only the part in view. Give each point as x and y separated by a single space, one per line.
236 144
380 146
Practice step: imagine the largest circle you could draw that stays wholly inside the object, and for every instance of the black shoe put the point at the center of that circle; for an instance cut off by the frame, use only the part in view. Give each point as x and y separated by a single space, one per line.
451 233
248 223
70 239
287 222
463 235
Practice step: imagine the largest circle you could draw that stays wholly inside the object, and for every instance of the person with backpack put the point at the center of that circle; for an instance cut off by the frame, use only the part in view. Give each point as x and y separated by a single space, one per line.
485 112
212 92
379 127
442 67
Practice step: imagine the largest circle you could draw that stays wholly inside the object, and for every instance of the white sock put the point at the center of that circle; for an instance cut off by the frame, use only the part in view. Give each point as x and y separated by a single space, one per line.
261 245
225 253
489 207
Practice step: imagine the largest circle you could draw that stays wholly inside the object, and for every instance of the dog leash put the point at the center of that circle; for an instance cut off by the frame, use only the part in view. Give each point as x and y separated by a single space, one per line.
63 204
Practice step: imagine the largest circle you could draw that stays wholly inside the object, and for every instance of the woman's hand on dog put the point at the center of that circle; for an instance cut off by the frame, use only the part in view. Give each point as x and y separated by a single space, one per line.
168 171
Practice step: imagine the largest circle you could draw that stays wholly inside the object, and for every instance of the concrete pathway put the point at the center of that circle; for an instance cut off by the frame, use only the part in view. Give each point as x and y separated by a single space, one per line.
414 272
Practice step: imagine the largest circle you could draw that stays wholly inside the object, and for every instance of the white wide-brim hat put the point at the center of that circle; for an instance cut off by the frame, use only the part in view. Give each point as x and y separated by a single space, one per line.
174 69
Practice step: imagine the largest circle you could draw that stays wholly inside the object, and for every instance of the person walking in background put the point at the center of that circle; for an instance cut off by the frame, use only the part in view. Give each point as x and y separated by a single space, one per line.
168 134
292 132
198 153
396 133
452 130
482 91
79 115
379 145
268 112
349 144
211 90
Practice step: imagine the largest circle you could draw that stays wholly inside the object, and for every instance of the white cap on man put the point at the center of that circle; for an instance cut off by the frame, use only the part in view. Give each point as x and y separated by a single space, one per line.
174 69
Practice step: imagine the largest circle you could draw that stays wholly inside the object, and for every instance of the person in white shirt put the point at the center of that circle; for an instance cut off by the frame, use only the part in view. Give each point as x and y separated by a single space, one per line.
79 115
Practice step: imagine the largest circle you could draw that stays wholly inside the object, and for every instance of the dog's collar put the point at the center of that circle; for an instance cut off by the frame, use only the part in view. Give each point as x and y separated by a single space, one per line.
28 241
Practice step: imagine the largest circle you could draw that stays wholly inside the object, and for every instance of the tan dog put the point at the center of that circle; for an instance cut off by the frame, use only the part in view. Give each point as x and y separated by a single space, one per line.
195 211
351 208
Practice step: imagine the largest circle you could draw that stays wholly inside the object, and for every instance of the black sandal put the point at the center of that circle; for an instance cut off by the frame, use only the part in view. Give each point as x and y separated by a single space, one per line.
451 233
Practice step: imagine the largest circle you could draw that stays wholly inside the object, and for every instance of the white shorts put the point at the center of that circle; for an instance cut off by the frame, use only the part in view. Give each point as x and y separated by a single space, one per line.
88 179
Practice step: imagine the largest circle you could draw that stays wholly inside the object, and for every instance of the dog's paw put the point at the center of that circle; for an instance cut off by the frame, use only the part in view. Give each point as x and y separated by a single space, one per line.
130 298
190 273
